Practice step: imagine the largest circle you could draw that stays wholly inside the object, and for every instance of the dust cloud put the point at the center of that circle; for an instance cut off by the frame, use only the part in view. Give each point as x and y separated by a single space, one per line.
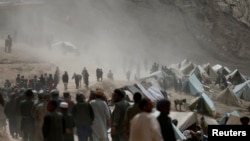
116 35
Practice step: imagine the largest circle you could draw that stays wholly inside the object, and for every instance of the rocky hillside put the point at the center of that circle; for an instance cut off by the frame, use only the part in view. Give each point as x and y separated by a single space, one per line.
215 31
225 26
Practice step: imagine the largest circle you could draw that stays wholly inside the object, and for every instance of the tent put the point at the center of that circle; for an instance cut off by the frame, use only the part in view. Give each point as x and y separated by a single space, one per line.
178 73
203 104
185 119
236 77
233 120
228 97
211 73
222 69
210 121
242 90
150 90
185 66
226 116
192 85
132 89
201 74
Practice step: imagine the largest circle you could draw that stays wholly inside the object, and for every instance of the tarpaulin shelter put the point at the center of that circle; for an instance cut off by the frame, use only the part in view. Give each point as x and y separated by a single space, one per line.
203 104
228 97
242 90
192 85
236 77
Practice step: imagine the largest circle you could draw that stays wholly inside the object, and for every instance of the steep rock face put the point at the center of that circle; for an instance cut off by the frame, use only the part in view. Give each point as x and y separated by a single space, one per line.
238 9
220 27
224 24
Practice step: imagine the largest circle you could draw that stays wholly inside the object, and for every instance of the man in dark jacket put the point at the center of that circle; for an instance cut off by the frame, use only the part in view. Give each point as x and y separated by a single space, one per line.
9 111
118 115
54 125
85 75
27 122
65 79
84 116
69 122
165 121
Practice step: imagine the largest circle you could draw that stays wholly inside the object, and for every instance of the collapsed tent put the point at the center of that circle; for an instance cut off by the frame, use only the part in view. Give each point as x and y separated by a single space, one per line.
203 104
151 90
185 119
132 89
192 85
242 90
226 116
162 79
236 77
228 97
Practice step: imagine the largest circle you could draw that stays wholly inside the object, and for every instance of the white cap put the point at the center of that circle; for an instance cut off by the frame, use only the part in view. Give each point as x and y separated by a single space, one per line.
64 105
34 91
41 91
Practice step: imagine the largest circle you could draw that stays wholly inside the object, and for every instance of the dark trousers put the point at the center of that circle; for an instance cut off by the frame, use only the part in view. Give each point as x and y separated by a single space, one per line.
84 132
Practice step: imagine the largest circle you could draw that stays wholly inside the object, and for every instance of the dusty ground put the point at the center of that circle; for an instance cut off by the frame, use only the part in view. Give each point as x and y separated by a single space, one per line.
34 61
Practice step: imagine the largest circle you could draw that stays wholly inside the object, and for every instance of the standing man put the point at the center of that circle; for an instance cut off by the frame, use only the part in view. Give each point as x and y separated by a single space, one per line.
84 117
39 113
102 117
117 117
65 79
53 124
97 74
110 75
27 122
69 122
8 44
165 121
57 76
144 126
67 98
101 74
85 75
132 111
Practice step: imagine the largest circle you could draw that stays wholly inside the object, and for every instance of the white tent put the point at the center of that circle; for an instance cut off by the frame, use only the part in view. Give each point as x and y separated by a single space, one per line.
228 97
242 90
221 68
150 90
211 73
192 86
236 77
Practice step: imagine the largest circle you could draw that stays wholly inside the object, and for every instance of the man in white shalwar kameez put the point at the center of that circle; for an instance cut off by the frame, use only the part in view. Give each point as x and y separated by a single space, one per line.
102 117
144 126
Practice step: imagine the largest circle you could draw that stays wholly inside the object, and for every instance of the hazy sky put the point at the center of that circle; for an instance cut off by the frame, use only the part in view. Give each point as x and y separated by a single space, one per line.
115 35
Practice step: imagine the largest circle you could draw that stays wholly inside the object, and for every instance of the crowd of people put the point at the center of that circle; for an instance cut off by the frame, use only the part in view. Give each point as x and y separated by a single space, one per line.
36 111
46 116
